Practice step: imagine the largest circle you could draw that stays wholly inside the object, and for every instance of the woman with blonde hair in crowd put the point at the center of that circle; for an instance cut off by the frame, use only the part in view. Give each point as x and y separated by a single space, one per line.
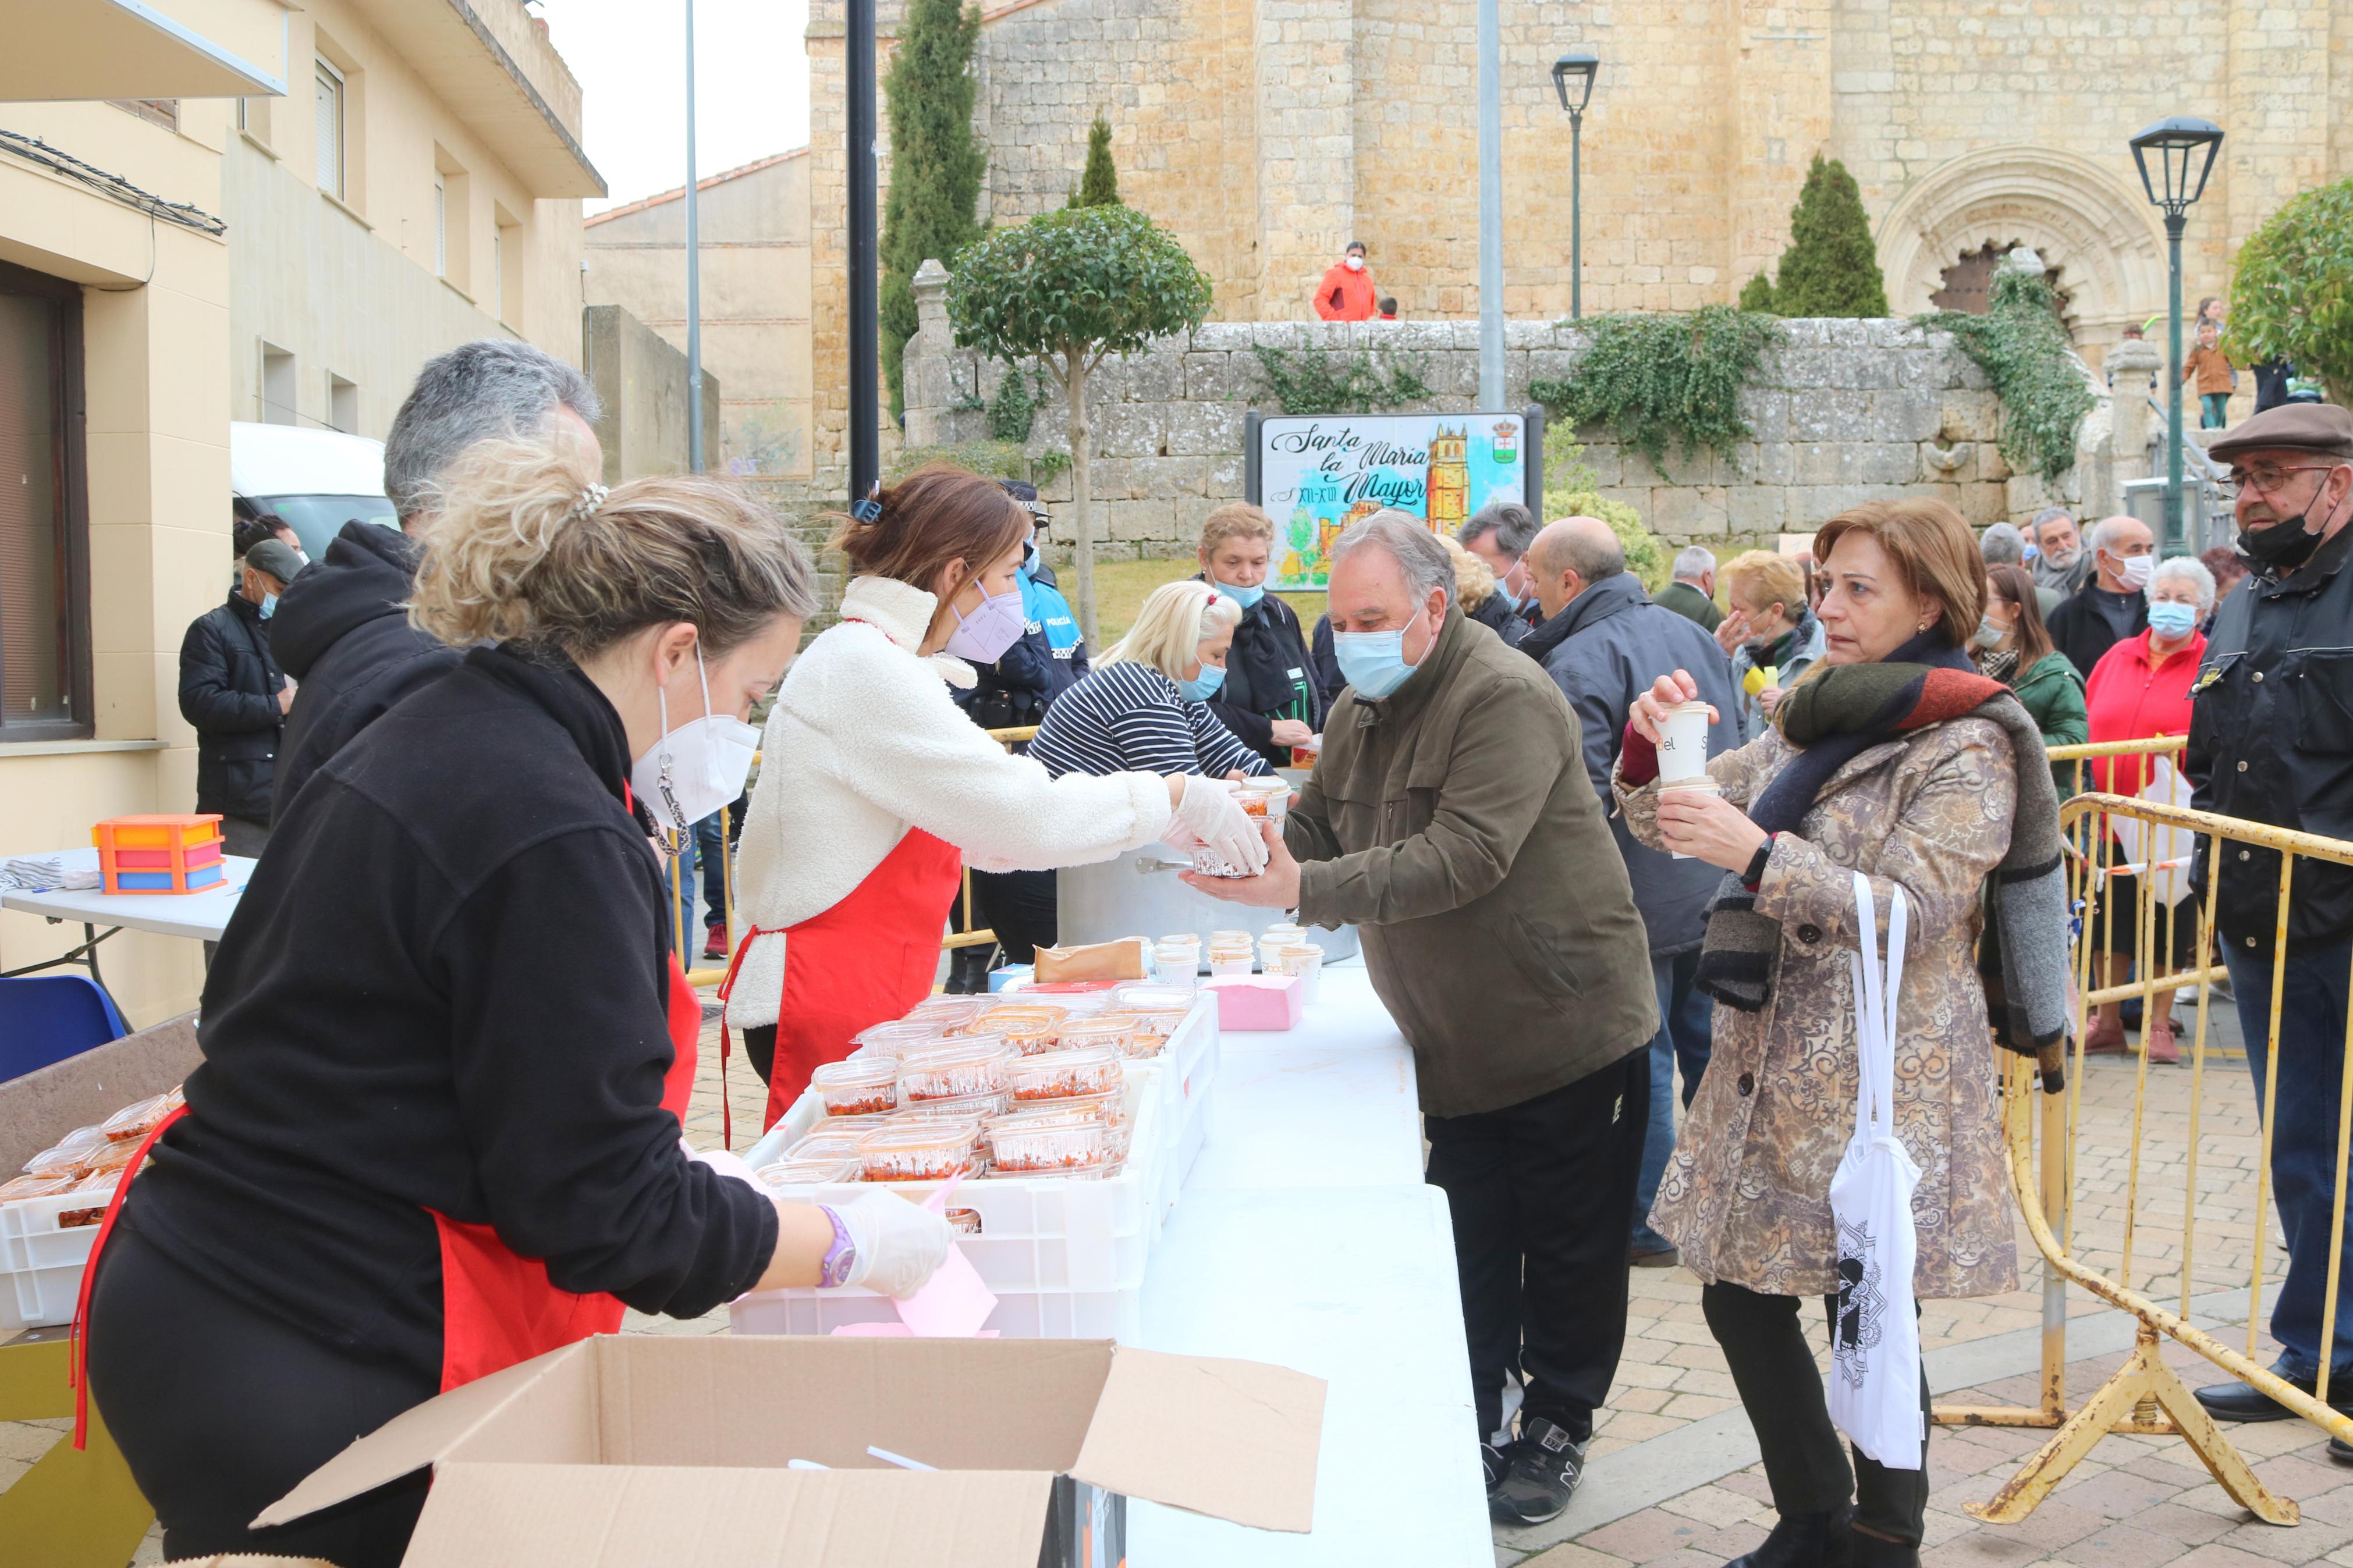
1145 703
1271 697
1897 760
447 1049
877 789
1771 634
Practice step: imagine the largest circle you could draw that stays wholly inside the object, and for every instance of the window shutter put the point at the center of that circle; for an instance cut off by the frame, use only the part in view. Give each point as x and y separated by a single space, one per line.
331 133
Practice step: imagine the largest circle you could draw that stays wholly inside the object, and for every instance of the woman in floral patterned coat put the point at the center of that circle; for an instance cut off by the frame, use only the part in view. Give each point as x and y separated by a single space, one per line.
1898 771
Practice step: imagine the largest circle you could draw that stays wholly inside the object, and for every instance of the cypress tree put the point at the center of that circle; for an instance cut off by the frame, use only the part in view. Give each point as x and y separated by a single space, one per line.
935 165
1756 294
1832 267
1098 186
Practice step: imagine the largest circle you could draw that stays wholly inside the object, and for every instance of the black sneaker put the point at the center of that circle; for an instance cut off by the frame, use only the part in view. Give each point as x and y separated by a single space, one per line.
1544 1466
1492 1461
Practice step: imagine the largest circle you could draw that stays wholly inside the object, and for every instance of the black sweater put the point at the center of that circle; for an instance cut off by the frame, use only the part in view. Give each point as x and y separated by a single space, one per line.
445 988
341 631
1268 677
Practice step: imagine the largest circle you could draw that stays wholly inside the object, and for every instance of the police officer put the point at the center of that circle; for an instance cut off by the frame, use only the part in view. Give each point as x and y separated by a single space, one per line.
2271 740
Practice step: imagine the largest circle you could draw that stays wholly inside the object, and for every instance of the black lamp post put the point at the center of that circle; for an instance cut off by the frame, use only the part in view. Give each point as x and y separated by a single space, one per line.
1573 75
2185 149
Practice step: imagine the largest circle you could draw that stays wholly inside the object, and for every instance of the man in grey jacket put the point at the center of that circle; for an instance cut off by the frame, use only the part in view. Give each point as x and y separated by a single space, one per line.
1604 642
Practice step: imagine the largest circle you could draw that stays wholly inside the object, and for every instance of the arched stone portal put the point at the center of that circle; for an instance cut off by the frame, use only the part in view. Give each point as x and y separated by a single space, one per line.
2101 238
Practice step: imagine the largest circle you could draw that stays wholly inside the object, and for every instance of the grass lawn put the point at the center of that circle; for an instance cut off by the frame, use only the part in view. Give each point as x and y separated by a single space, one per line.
1121 587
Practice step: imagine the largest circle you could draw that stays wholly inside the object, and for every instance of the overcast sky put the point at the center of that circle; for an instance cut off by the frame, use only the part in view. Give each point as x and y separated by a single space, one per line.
751 80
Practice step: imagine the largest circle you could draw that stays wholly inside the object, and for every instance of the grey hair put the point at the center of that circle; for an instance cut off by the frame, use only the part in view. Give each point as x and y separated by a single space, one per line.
2105 532
2047 514
1409 542
492 386
1514 526
1694 560
2002 545
2190 570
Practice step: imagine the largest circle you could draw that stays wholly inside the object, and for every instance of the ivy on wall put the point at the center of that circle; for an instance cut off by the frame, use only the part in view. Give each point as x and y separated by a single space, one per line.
1652 378
1316 382
2022 347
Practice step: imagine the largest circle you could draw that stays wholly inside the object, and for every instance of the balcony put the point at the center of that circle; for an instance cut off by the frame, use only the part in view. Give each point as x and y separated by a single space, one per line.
62 50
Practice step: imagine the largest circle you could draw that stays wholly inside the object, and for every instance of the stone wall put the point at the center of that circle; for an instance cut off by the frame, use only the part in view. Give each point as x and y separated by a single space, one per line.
1843 411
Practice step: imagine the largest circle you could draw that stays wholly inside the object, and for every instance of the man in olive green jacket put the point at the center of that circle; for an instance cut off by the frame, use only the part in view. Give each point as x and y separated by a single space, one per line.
1451 821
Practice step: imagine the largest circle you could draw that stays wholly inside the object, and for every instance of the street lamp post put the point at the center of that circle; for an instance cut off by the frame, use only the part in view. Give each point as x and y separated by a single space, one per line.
2185 149
1572 75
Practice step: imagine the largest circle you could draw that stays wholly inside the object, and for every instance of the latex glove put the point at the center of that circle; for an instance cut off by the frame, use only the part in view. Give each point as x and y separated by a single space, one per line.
725 1163
899 1244
1208 811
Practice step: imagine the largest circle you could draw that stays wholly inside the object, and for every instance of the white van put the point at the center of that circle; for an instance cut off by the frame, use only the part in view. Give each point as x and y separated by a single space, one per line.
317 480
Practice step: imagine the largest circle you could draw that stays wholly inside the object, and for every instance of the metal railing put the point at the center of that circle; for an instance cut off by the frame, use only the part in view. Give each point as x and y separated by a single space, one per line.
2042 1132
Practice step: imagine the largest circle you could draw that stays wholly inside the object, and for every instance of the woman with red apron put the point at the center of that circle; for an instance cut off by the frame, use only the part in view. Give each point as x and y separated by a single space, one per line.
876 790
447 1053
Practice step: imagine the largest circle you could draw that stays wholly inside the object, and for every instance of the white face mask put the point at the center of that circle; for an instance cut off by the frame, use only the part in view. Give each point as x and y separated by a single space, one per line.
2134 571
696 768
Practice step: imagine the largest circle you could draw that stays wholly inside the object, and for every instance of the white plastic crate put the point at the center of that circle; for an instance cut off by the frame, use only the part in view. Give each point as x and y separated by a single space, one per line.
41 1258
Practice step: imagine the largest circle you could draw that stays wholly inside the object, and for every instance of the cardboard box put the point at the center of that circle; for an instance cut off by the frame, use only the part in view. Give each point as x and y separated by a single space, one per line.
633 1451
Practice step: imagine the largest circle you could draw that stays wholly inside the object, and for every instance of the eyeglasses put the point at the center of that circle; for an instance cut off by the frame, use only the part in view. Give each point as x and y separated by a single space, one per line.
2267 476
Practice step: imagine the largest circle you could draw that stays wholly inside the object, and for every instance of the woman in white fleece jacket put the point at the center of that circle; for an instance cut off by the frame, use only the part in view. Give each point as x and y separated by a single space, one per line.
875 789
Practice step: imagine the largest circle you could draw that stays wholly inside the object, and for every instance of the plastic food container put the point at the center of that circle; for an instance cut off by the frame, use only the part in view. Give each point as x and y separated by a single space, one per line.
44 1186
69 1155
1058 1075
810 1172
971 1064
1048 1144
1264 797
1175 960
1007 1015
946 1011
927 1151
1109 1032
1145 996
113 1157
964 1107
134 1122
862 1086
898 1038
852 1127
1230 960
826 1143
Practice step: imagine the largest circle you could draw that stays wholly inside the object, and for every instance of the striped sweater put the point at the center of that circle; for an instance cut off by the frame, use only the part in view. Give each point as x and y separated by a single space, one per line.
1130 717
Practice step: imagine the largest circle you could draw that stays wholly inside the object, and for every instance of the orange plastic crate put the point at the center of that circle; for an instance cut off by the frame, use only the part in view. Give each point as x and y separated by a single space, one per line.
161 854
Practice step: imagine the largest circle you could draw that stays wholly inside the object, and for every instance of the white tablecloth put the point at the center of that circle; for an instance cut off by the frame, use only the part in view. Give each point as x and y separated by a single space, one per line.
199 915
1307 1237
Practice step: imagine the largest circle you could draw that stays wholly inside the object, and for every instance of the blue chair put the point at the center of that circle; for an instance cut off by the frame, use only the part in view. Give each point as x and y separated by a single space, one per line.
46 1018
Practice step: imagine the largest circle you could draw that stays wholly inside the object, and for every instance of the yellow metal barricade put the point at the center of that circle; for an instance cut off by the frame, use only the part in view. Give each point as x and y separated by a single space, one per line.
2043 1130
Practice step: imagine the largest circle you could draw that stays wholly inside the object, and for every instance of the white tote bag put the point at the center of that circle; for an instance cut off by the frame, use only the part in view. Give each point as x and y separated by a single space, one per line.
1875 1341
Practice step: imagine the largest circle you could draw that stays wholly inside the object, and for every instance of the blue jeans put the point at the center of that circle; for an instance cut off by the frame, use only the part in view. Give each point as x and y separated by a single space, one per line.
2303 1139
1686 1024
2212 410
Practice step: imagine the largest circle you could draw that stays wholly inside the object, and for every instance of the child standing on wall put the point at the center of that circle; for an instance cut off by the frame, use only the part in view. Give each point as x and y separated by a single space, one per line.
2211 369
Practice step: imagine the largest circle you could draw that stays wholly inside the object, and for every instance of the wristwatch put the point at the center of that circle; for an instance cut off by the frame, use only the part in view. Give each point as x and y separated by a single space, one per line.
1756 872
840 1258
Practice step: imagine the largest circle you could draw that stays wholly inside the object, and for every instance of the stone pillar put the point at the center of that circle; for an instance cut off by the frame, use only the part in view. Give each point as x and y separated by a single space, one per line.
926 367
1307 149
2134 368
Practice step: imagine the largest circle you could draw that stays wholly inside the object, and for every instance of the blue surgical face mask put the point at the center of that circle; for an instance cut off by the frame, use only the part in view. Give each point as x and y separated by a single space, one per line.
1204 686
1245 597
269 605
1373 662
2171 620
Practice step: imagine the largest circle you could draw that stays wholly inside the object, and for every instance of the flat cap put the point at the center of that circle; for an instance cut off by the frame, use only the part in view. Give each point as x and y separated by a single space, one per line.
2320 427
275 557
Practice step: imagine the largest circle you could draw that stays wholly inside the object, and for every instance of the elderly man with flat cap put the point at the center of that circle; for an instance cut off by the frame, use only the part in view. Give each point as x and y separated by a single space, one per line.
2271 740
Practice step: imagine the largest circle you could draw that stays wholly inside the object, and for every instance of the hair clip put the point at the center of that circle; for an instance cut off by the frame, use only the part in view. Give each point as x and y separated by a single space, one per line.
590 500
870 509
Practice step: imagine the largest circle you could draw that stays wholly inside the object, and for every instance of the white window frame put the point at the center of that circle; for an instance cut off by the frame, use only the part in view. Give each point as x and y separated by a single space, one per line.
325 75
440 225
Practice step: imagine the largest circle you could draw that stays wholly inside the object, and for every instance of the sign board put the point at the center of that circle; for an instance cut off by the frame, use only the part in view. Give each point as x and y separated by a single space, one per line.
1316 474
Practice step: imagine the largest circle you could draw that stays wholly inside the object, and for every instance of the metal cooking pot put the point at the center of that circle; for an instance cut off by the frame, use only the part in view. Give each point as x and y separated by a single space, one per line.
1139 894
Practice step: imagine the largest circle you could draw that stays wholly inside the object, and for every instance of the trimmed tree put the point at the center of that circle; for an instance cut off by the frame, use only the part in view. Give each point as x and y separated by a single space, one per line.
1066 288
935 165
2292 296
1756 295
1098 186
1832 267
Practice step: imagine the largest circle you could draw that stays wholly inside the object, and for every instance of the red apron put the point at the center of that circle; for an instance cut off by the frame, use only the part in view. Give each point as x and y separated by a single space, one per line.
497 1308
863 961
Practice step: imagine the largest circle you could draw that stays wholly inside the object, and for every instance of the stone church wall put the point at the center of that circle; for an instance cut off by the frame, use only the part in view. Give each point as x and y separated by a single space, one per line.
1843 411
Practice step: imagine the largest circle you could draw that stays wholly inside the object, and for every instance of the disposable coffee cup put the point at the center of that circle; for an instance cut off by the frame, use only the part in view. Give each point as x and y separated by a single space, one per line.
1682 743
1700 785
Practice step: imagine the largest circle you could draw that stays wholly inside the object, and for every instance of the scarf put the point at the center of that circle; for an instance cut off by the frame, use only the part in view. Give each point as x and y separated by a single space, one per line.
1775 654
1998 664
1835 717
